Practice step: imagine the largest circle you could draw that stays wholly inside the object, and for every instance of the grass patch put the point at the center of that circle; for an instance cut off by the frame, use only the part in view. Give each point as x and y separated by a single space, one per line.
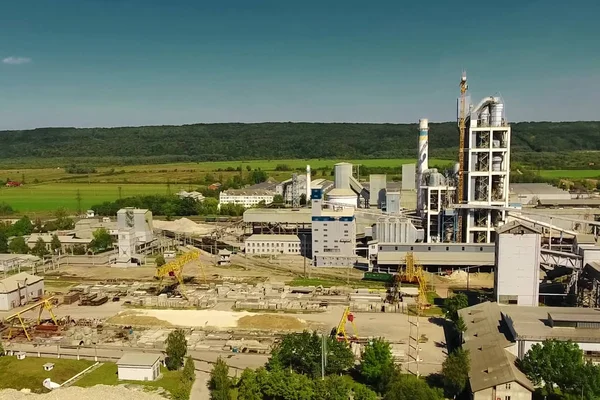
570 173
29 373
106 374
337 282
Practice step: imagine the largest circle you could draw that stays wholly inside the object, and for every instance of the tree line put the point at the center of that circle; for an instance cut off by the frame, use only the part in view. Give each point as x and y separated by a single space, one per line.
543 144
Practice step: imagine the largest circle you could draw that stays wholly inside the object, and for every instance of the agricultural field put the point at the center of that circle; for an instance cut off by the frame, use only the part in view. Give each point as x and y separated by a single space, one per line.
571 174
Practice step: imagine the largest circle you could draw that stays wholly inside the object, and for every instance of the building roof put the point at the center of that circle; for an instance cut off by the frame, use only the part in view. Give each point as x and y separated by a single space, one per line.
267 185
281 238
247 192
585 238
438 258
34 237
342 192
278 216
517 227
224 252
558 316
569 202
138 359
13 282
537 188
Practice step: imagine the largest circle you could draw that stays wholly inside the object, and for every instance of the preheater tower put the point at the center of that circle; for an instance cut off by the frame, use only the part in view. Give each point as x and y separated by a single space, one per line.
422 159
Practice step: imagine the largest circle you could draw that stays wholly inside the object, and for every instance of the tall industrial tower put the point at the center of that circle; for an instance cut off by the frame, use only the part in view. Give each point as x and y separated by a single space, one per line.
484 167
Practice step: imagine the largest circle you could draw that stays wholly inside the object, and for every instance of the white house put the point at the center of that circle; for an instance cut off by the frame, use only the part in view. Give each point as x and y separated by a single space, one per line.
139 367
20 289
246 197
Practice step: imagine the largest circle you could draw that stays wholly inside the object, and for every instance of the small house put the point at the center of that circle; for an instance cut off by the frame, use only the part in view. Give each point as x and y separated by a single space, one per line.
48 366
139 367
224 257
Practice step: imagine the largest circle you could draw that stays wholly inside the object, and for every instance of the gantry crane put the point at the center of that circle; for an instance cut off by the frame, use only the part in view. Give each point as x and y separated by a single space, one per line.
340 332
414 274
16 319
175 268
461 151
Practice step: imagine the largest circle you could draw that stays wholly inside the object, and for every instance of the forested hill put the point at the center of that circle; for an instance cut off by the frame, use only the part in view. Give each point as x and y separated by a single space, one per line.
207 142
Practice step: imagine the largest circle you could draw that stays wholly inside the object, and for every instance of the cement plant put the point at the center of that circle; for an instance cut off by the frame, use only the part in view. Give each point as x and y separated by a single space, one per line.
353 258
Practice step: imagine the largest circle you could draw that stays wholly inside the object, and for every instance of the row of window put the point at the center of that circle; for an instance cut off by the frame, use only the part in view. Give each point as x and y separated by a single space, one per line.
428 248
269 244
261 250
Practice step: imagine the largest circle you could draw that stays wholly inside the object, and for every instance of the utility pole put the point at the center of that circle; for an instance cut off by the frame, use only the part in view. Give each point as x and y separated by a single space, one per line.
323 356
78 198
120 192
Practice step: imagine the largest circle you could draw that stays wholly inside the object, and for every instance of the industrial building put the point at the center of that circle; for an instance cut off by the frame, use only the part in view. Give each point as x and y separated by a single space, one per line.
333 232
10 262
85 228
139 367
517 273
273 244
135 235
530 194
67 242
246 197
20 289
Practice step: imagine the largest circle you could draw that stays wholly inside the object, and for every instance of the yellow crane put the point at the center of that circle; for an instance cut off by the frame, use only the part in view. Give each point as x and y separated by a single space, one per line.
461 151
414 273
18 319
175 269
340 332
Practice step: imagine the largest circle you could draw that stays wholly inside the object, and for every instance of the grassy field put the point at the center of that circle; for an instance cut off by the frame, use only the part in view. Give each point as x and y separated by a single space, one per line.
106 374
50 196
336 282
29 373
571 174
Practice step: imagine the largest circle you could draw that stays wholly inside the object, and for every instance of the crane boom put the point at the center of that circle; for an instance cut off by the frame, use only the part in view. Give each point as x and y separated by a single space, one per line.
175 268
461 153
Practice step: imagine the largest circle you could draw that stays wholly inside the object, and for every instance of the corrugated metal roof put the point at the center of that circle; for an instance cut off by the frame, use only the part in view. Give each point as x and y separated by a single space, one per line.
282 238
281 216
13 282
138 359
438 258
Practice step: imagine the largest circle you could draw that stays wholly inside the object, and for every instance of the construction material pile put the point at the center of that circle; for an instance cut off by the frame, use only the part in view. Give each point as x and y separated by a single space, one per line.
184 226
99 392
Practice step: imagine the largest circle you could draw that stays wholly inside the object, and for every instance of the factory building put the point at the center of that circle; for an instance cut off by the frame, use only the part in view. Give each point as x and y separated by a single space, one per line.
11 262
246 197
135 233
273 244
67 242
333 232
85 228
517 273
530 194
20 289
287 190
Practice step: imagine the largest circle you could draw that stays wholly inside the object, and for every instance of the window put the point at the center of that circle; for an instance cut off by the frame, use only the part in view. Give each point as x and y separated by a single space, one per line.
506 397
481 249
447 248
345 231
508 386
429 248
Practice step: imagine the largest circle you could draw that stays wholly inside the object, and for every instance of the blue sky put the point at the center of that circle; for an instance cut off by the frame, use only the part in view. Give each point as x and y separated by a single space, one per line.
154 62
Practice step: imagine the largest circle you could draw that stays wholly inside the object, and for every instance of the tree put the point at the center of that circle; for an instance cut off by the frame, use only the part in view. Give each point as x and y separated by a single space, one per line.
78 250
189 370
376 361
22 227
210 206
303 199
453 304
333 387
176 349
18 246
219 383
63 221
248 386
6 209
278 199
168 210
361 392
3 242
555 363
55 243
301 352
39 249
455 372
102 240
409 387
160 260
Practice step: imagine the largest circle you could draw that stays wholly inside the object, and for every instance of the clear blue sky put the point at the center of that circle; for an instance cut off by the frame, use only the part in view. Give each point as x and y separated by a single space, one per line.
146 62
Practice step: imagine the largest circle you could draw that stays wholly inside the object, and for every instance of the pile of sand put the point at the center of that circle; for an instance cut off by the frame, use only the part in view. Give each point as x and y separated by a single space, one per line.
271 322
458 276
134 318
185 318
99 392
183 225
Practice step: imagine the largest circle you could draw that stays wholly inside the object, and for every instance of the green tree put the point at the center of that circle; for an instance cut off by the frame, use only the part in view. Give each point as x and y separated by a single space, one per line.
55 243
554 363
409 387
453 304
376 362
22 227
361 392
278 199
455 372
333 387
3 242
176 349
18 246
168 210
209 206
219 383
78 250
102 240
160 260
249 387
189 370
63 221
6 209
39 249
301 352
303 199
460 327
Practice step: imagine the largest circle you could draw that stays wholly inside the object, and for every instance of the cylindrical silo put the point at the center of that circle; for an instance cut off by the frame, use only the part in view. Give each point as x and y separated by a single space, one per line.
342 174
497 114
308 183
392 202
423 163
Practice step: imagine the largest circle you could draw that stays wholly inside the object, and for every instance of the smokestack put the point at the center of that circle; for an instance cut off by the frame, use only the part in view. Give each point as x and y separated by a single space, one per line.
422 159
308 184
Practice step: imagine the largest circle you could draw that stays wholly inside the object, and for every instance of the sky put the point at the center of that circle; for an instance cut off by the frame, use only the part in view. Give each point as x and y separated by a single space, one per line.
88 63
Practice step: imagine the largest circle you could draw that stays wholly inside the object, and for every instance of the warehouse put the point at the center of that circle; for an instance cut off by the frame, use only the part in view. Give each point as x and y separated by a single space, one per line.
273 244
246 197
532 193
67 243
139 367
20 289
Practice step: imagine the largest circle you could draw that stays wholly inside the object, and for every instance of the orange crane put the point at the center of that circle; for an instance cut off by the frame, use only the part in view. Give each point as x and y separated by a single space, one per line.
461 152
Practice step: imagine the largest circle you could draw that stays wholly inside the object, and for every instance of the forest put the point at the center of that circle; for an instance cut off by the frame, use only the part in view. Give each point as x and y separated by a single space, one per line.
544 145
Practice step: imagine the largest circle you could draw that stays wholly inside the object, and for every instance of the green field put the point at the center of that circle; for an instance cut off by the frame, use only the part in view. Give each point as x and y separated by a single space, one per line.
29 373
571 173
106 374
51 196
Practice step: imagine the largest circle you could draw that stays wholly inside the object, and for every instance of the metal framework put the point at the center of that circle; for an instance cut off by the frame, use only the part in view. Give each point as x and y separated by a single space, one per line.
17 320
340 332
175 269
461 151
295 192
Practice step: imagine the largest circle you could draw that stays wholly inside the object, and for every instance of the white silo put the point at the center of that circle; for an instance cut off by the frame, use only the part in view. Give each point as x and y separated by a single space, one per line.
422 159
308 184
342 174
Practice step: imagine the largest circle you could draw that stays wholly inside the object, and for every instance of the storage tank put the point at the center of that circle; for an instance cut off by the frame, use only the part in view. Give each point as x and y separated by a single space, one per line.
342 174
497 163
484 117
497 114
342 197
377 184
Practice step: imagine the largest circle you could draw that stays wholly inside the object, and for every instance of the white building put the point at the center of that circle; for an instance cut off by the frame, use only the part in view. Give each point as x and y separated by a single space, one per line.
10 262
182 194
135 231
20 289
245 197
67 243
516 279
139 367
273 244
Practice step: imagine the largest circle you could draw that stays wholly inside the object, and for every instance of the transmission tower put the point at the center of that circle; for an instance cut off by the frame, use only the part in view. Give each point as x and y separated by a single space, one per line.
295 192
